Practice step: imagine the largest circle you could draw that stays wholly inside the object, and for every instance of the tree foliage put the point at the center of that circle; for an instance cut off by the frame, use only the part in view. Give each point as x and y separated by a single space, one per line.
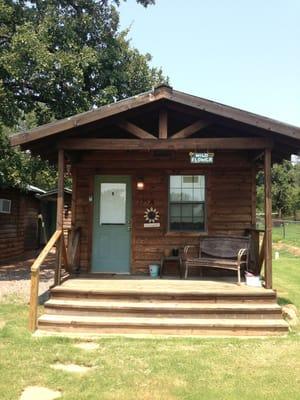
59 58
285 188
19 169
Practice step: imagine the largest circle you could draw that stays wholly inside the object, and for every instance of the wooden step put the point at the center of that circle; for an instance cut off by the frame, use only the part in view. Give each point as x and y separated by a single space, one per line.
100 307
161 326
188 295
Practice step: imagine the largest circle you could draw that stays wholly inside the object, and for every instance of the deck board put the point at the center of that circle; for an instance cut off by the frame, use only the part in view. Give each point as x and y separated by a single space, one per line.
160 285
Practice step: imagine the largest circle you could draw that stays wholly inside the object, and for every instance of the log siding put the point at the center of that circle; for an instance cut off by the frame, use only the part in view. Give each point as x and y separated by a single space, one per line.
229 197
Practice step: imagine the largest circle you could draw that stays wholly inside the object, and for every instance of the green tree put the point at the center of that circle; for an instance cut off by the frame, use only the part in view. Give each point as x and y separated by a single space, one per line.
59 58
19 169
285 188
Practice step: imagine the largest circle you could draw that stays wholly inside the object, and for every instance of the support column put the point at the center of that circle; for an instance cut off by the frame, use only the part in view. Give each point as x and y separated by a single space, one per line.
268 219
60 189
59 214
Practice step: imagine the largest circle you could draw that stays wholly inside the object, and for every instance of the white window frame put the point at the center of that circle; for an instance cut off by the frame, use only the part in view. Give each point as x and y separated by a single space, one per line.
204 202
2 202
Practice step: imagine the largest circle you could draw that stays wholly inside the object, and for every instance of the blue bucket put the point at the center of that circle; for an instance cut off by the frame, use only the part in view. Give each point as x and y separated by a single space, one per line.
154 270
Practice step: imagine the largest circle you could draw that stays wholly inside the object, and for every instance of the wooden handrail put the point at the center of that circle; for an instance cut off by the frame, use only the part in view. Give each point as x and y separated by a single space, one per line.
262 253
73 246
35 278
41 257
65 256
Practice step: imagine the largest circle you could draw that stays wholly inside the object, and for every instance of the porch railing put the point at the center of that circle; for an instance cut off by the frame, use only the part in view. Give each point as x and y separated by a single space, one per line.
56 239
258 249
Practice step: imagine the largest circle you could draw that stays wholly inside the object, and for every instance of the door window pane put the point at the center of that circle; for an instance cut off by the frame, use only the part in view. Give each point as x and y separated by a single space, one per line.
113 203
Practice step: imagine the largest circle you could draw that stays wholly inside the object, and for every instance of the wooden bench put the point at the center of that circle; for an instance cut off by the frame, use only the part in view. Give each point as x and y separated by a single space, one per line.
225 252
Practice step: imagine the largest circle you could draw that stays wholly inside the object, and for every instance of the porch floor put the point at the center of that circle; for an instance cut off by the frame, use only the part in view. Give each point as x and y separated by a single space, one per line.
139 305
139 283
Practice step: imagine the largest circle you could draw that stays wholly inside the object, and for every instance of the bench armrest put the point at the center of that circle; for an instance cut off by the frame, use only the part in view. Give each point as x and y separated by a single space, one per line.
241 254
186 251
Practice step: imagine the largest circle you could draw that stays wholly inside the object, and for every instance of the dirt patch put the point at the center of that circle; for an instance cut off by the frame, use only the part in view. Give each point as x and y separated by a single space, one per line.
88 346
291 249
15 277
290 313
39 393
72 368
2 324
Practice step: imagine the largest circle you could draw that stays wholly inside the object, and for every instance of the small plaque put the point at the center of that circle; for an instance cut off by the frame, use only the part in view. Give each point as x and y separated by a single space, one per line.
202 158
152 225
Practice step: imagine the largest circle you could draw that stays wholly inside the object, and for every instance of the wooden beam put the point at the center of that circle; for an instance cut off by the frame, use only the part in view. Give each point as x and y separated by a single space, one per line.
135 130
190 130
59 214
163 124
34 299
172 96
60 189
268 219
165 144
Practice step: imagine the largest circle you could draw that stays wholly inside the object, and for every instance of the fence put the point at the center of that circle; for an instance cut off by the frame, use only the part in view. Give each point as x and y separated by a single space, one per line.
286 230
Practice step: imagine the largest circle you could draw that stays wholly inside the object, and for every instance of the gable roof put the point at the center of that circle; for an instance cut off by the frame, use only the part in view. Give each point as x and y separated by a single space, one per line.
160 93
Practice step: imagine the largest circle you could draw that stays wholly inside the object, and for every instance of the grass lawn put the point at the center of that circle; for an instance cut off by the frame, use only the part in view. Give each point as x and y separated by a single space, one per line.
292 234
157 368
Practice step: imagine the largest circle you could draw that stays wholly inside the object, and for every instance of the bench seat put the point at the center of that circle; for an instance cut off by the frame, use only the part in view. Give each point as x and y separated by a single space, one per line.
224 252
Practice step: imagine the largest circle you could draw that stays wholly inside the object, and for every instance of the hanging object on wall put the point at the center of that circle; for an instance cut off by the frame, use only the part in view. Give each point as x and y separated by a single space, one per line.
201 158
151 216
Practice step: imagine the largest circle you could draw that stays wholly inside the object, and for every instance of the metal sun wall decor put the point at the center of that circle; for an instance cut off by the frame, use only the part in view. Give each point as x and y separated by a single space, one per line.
151 216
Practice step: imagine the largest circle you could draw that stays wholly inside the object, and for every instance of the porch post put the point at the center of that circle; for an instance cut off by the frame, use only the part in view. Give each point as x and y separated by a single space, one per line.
60 190
268 219
59 213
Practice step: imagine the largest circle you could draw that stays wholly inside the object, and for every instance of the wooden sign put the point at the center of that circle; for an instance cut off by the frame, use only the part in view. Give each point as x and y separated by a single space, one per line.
202 158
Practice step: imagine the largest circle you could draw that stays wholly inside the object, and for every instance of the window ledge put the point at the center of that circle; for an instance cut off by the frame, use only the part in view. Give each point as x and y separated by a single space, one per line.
185 234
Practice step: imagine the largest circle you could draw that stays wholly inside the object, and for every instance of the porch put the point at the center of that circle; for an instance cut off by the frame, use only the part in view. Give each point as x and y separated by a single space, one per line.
139 305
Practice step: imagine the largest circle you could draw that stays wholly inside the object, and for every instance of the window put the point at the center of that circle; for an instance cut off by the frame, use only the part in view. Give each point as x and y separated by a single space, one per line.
113 203
187 203
5 206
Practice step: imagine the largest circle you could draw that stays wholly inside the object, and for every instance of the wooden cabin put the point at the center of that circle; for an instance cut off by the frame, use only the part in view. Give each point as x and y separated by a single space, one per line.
28 219
152 174
19 221
49 211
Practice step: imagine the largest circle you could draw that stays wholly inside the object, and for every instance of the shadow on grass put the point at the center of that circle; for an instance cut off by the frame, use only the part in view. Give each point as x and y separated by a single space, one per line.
282 301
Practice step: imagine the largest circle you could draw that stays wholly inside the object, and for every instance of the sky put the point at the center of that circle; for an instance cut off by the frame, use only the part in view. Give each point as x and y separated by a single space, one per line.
243 53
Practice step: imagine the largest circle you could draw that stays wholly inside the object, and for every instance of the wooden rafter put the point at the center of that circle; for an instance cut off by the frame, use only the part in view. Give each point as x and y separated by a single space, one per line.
190 130
173 97
135 130
166 144
163 124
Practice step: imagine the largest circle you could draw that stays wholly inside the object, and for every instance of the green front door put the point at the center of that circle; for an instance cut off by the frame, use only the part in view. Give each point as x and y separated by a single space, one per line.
111 224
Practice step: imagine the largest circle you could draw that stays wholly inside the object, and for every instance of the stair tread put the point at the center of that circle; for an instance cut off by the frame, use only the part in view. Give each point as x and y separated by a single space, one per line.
165 292
161 321
144 305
